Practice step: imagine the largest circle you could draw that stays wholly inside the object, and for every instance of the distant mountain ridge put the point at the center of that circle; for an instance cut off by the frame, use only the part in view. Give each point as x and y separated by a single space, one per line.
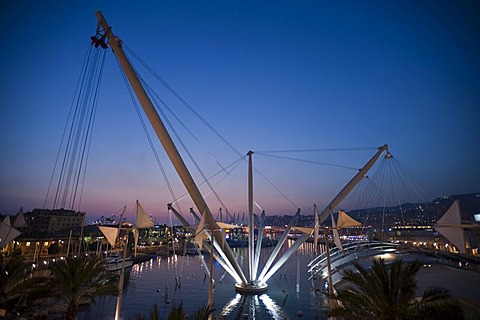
421 213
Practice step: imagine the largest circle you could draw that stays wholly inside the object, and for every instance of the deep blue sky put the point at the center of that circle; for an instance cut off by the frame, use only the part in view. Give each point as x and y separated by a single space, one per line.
268 75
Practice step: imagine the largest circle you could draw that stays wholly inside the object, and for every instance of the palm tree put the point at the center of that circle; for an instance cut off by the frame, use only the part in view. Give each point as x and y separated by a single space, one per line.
203 313
437 304
154 314
178 313
76 281
13 275
388 293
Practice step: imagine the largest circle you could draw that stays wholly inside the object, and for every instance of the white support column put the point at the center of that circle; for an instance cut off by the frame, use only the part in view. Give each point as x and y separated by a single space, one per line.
165 139
251 236
351 184
278 247
258 248
333 204
178 215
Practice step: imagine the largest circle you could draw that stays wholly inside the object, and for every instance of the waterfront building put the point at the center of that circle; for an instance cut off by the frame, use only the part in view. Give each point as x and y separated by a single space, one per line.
46 222
44 232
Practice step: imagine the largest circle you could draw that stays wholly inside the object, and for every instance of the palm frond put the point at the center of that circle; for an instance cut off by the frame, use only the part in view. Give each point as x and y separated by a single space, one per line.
203 312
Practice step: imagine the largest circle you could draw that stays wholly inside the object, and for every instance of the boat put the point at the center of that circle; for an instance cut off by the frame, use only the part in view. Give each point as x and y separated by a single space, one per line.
243 243
114 259
114 262
191 250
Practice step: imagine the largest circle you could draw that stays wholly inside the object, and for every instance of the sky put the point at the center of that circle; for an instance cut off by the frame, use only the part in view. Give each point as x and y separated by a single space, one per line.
267 75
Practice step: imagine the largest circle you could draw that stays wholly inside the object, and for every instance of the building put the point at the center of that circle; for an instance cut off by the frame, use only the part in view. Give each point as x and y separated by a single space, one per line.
45 222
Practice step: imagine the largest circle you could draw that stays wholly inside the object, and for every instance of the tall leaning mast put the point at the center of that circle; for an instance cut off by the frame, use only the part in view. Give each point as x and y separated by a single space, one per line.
166 140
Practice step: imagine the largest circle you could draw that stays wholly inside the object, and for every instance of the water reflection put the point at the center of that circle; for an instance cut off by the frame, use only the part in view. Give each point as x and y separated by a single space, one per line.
251 307
275 311
139 268
183 279
230 306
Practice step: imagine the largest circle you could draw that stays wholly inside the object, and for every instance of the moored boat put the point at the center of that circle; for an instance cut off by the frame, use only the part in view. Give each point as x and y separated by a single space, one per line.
114 262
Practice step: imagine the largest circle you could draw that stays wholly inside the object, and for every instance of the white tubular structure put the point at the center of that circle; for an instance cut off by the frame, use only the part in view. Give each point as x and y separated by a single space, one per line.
225 256
333 204
167 143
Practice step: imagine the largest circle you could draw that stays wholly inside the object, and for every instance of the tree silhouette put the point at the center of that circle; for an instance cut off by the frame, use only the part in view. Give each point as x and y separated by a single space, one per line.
388 292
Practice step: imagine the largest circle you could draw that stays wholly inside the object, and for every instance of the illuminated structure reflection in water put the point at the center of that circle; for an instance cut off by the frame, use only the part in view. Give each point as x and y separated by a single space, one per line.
183 279
153 281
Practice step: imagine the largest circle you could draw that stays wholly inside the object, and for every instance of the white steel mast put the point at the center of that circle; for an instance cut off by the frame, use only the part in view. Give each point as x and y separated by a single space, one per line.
333 204
251 237
167 143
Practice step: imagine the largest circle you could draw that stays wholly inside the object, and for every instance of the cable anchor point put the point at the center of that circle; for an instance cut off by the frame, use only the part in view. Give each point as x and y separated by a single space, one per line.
99 39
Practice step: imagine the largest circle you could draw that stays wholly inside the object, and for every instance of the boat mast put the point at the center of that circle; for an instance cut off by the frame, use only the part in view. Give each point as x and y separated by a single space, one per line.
166 140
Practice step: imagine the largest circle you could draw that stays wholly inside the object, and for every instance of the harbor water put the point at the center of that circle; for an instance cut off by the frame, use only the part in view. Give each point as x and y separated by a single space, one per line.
166 281
154 282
